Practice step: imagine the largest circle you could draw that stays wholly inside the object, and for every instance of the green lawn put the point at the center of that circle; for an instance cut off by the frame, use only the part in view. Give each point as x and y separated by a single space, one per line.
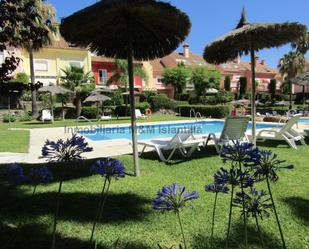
27 222
14 141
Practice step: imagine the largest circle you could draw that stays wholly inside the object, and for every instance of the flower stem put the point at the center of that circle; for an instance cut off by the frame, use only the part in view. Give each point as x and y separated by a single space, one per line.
259 231
275 211
213 220
230 217
243 205
181 228
34 189
100 208
57 208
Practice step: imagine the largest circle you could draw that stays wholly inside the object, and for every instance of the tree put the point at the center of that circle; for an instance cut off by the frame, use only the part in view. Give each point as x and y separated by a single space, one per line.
242 86
227 83
204 78
289 66
177 77
122 75
272 88
78 81
46 20
18 24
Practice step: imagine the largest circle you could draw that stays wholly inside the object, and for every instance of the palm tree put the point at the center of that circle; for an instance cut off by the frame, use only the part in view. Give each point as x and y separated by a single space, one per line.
289 66
302 45
122 75
78 81
46 21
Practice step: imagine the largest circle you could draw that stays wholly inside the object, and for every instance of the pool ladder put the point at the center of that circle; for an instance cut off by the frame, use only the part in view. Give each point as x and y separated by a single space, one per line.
196 115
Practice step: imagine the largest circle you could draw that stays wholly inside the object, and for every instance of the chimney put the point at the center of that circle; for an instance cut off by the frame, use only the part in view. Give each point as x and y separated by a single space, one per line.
256 60
238 60
186 50
263 62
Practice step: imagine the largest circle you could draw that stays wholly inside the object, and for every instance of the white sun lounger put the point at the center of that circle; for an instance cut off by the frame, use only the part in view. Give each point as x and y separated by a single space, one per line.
286 133
234 130
138 114
47 116
181 141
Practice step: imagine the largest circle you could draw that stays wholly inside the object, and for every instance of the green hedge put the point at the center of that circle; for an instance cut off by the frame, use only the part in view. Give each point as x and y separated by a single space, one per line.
214 111
69 112
9 118
161 101
120 110
90 112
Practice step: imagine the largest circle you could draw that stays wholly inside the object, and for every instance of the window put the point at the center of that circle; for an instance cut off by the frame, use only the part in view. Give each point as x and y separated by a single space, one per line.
102 76
1 57
75 64
159 80
40 65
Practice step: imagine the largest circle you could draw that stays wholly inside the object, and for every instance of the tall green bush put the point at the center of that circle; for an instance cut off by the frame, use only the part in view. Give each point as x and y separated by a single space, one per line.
242 86
227 83
272 88
161 101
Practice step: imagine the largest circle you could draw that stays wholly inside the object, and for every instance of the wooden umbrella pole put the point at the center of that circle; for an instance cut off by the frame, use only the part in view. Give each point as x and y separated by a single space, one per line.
132 99
253 92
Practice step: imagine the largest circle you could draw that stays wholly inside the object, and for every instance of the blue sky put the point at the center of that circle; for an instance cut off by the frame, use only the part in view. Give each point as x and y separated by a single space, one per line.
211 19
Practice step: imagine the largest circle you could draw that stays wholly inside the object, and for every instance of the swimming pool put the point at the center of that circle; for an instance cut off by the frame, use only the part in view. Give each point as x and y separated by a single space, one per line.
151 131
304 120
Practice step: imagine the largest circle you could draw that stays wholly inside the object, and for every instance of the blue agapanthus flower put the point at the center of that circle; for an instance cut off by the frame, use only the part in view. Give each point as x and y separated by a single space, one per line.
108 168
217 188
255 203
233 176
15 174
173 198
40 175
266 164
65 150
238 152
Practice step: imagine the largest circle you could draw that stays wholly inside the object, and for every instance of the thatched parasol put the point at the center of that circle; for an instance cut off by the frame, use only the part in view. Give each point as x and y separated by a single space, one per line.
248 38
302 80
97 98
54 90
127 29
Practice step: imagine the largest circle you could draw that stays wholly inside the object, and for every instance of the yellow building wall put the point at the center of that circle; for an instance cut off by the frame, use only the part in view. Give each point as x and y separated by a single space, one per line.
57 59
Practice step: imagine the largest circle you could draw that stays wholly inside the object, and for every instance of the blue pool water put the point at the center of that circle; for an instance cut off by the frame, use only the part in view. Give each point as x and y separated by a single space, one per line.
148 131
304 120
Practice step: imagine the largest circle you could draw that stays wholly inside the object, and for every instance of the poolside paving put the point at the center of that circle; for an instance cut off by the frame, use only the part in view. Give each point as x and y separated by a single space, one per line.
110 148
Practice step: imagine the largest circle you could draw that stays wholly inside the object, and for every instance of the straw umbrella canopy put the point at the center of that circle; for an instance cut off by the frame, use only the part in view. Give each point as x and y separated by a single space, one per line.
127 29
97 98
302 80
54 90
248 38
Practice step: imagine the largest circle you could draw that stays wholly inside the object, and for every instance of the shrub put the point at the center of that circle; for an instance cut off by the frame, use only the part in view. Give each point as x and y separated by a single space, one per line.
89 112
217 111
117 98
120 110
146 96
25 117
26 96
161 101
142 106
184 97
9 118
22 78
69 112
221 97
